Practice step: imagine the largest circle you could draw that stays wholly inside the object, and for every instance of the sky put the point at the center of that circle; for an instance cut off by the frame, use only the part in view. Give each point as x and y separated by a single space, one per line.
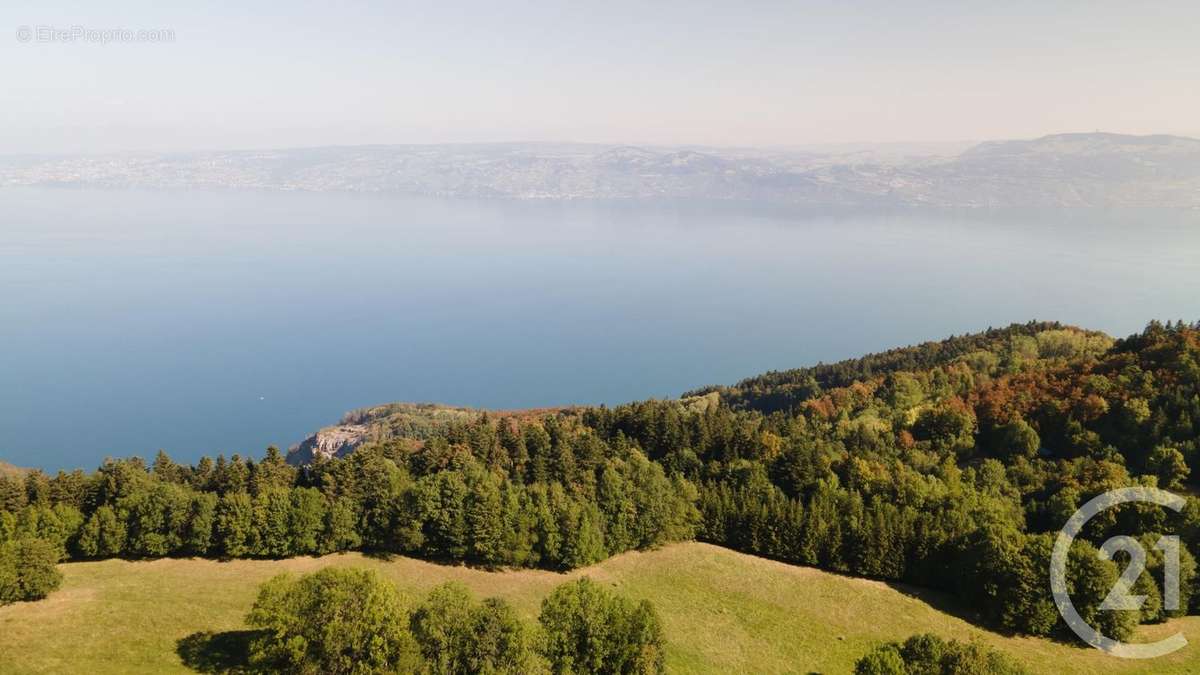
285 74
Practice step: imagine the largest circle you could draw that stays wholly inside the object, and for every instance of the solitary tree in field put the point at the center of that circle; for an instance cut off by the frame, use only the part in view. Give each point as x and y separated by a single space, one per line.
441 626
458 636
27 569
588 629
333 622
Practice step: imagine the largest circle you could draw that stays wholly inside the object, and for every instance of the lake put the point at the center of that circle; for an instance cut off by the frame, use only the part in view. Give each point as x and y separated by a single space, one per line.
205 322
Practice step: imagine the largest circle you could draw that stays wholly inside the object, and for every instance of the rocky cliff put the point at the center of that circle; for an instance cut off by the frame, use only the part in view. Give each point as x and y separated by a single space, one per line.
330 442
393 420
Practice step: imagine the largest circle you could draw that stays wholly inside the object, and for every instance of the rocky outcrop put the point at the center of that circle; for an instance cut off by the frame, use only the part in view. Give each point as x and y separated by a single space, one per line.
330 442
413 422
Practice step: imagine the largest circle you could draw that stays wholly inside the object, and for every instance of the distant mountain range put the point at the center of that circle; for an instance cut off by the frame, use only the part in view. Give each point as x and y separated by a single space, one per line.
1066 170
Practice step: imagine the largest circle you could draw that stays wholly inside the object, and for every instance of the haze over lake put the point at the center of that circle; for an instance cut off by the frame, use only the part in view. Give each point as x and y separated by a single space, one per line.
205 322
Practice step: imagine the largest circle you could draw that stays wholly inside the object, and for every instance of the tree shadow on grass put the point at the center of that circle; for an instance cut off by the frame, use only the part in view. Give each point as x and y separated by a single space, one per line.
948 604
943 602
209 652
444 561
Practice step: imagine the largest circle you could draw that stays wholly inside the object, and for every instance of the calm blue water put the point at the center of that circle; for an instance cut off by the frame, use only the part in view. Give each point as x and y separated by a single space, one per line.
223 322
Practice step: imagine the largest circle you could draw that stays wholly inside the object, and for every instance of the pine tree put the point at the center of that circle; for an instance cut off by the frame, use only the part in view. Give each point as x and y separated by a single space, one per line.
485 520
235 525
202 516
306 521
272 511
340 532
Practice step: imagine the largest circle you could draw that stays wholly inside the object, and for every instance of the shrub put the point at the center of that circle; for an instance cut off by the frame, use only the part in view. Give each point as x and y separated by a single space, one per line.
884 660
929 654
588 629
28 569
332 621
458 635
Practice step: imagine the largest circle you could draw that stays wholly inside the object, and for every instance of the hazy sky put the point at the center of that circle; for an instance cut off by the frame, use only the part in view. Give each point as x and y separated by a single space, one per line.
256 74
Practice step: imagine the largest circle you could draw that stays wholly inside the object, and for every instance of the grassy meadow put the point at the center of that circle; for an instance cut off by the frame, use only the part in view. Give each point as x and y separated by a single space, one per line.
724 612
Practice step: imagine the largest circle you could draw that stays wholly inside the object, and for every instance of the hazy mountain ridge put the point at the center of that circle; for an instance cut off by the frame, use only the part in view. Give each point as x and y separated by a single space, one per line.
1093 169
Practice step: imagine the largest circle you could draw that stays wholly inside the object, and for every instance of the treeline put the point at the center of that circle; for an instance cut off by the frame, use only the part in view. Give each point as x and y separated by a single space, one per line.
955 541
573 502
783 390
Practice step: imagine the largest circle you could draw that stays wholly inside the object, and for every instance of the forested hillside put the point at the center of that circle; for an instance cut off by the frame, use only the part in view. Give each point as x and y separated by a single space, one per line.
9 470
947 465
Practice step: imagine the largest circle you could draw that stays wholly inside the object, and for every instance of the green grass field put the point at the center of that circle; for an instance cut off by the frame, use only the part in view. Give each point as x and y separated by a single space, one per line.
724 612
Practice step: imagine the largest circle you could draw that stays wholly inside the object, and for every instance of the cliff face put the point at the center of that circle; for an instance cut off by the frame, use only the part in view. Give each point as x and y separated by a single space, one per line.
378 423
330 442
416 422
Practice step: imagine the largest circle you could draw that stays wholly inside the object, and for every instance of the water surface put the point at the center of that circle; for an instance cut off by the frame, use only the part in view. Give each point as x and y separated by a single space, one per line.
205 322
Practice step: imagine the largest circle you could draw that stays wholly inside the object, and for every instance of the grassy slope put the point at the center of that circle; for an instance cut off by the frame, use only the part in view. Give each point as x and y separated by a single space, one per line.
724 612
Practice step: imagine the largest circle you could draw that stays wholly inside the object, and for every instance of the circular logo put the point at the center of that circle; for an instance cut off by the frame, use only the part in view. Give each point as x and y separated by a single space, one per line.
1118 598
24 33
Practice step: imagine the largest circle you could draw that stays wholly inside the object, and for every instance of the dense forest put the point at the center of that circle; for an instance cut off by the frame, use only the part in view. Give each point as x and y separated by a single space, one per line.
950 465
